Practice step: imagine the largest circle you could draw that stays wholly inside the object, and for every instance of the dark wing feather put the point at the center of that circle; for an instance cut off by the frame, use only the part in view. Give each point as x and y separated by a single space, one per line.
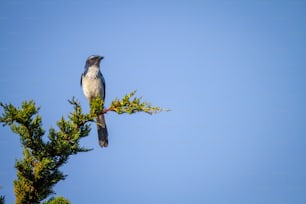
103 83
81 79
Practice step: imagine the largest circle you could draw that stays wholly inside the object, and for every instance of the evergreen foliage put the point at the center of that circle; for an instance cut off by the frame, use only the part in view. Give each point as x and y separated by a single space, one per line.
131 105
38 171
57 200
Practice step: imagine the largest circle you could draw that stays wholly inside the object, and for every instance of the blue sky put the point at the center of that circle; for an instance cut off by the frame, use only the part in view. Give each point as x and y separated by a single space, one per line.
232 72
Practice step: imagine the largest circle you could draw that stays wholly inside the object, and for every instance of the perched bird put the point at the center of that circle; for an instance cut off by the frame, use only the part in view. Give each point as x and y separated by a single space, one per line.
93 84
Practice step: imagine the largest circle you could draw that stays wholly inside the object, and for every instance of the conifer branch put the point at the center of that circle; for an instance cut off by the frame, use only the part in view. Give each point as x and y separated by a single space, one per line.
128 104
38 171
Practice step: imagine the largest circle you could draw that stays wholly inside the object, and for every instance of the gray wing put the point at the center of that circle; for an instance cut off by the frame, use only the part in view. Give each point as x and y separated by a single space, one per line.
81 79
103 84
83 75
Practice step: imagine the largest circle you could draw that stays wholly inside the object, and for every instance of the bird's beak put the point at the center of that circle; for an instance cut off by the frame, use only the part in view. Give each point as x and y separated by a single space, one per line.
101 58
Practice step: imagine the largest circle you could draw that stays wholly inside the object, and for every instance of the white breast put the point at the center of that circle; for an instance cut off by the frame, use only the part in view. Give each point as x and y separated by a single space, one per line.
92 84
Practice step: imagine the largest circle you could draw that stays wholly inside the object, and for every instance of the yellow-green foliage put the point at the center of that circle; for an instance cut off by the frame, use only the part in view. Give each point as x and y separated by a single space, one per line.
57 200
38 171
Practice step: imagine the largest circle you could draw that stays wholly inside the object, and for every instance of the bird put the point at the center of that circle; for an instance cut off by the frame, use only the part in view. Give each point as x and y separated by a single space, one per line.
93 85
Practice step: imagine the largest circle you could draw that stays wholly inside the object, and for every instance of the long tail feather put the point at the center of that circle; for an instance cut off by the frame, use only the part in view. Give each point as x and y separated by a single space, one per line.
102 131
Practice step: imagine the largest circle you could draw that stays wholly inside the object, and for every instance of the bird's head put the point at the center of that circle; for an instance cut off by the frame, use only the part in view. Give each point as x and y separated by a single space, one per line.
93 60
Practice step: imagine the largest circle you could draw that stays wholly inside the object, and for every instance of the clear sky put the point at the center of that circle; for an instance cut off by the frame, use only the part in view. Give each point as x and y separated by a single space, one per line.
232 72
